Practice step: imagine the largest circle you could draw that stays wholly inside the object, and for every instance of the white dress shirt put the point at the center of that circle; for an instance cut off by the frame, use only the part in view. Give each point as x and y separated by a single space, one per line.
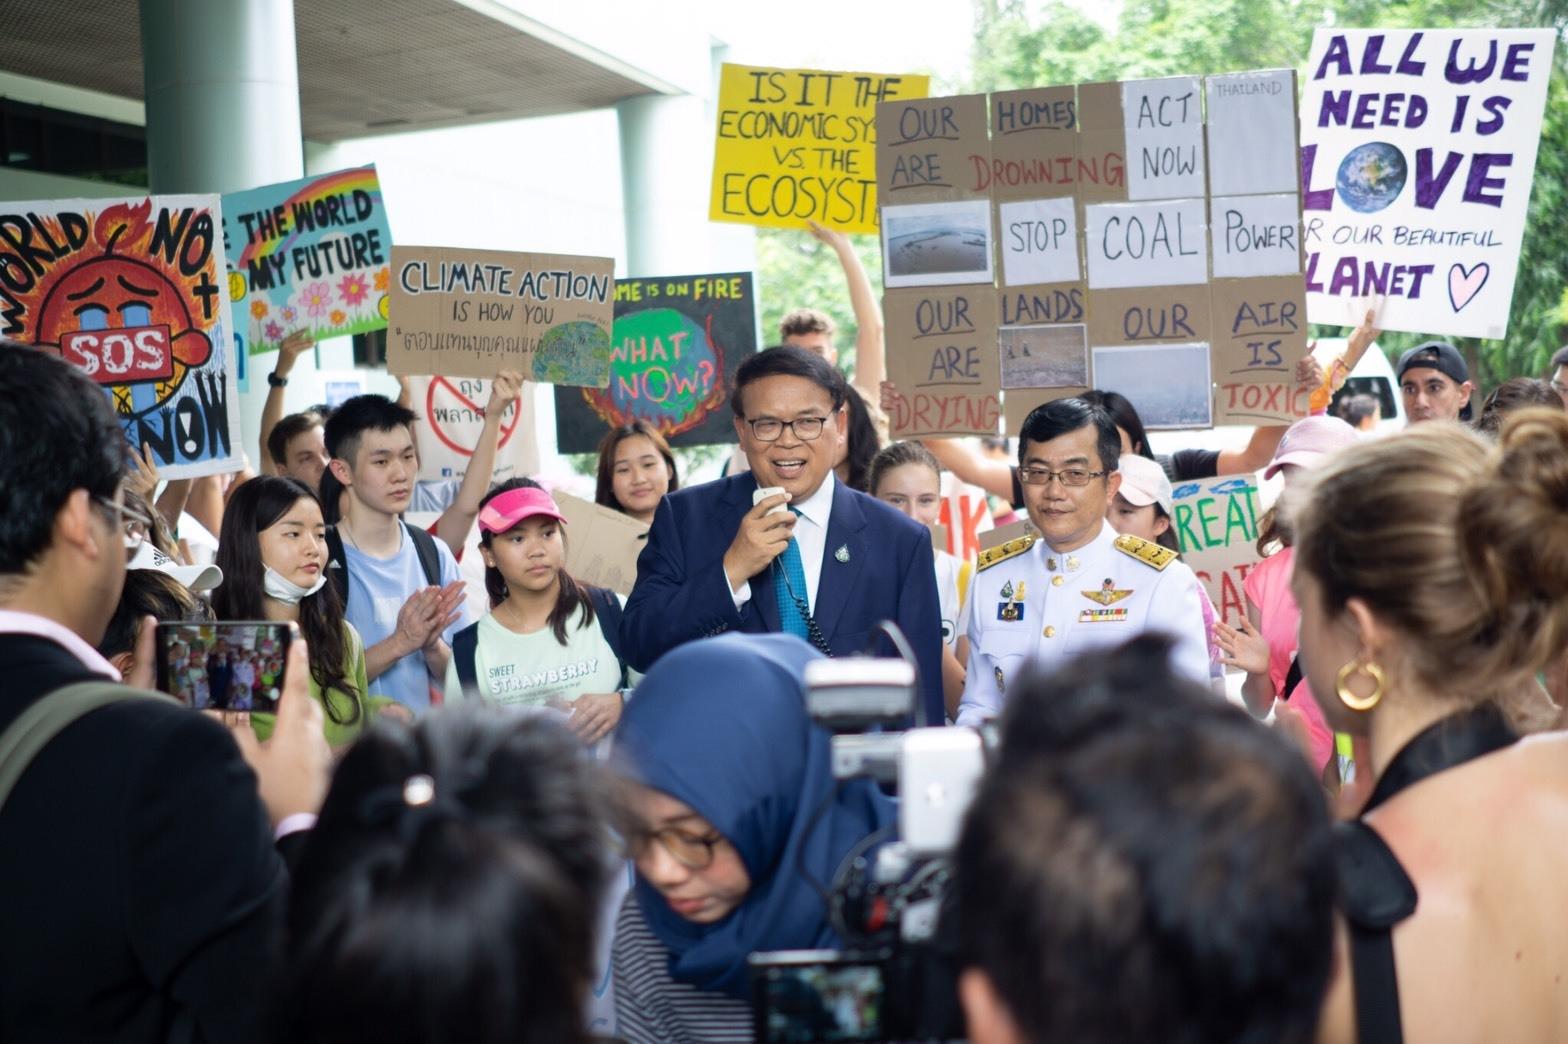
811 534
13 622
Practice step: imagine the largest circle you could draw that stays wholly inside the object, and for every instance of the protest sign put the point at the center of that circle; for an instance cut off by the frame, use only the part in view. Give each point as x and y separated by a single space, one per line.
1110 221
602 545
131 291
1418 150
965 516
1216 523
308 255
799 144
451 412
474 313
675 346
1259 335
942 357
1164 126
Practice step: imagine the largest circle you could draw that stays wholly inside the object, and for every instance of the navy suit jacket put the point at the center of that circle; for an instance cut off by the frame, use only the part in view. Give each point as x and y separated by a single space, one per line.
683 594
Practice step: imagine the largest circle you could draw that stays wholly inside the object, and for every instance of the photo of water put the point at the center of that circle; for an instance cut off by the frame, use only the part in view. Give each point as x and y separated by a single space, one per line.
949 241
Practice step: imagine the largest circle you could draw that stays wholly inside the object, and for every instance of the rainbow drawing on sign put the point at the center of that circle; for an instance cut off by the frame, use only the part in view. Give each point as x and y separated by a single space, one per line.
309 255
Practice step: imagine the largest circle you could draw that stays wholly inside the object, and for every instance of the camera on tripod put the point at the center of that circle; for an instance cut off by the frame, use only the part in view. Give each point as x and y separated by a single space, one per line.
895 978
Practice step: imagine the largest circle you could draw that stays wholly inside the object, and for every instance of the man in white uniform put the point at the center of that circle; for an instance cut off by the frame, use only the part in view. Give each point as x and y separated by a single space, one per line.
1036 602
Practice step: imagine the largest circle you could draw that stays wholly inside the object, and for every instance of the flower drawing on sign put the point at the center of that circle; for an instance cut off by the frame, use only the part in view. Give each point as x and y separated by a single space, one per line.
258 308
316 298
289 314
383 278
338 317
274 331
353 288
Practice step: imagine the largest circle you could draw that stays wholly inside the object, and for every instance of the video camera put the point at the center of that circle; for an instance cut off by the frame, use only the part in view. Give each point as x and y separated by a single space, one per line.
895 978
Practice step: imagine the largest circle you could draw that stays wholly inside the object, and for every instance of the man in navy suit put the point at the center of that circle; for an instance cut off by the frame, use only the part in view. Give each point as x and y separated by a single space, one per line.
817 559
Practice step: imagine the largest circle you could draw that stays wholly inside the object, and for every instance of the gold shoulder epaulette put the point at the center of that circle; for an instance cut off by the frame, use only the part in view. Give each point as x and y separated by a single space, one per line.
1145 551
1002 552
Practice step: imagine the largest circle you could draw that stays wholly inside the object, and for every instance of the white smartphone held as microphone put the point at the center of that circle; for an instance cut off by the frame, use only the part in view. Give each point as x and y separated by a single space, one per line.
769 491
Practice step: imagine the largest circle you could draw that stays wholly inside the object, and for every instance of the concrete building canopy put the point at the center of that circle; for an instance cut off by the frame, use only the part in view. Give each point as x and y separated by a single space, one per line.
365 66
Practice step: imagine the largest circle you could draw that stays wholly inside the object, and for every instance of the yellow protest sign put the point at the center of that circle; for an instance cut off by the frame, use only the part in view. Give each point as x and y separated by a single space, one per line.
795 144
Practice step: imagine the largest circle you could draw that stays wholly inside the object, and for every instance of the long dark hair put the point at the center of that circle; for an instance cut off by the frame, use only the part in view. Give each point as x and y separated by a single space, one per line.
1125 415
254 506
863 441
472 913
604 488
570 595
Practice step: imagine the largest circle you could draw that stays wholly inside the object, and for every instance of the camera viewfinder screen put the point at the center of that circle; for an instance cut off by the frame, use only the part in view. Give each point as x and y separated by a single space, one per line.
823 1002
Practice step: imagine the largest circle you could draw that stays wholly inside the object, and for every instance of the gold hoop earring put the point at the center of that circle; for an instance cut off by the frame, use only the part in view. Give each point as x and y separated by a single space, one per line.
1350 699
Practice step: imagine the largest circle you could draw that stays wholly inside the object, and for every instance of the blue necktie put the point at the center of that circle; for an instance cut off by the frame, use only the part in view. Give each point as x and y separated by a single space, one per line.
791 620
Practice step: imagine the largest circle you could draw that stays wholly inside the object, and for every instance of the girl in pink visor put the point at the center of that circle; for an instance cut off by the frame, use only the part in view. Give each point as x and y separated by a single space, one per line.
548 640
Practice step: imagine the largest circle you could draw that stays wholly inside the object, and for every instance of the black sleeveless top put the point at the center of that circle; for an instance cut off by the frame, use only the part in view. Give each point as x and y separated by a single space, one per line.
1375 892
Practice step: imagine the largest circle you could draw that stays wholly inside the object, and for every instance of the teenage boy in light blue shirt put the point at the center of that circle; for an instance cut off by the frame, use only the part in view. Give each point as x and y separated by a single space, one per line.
406 622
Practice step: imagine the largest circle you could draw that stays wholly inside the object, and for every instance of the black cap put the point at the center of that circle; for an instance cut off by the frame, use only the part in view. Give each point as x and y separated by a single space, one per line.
1434 355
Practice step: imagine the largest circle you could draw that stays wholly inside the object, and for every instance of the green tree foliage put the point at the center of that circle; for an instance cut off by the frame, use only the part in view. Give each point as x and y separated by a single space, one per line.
795 270
1024 44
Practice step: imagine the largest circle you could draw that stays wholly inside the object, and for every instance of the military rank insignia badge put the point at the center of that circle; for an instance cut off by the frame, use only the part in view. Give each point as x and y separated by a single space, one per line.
1107 594
1010 612
1007 591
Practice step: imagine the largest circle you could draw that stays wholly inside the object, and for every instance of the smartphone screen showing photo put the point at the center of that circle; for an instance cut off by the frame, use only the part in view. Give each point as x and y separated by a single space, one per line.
223 666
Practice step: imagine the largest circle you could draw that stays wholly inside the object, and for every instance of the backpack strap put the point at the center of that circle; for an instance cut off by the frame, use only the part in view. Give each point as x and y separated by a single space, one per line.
465 648
429 554
48 716
608 608
337 564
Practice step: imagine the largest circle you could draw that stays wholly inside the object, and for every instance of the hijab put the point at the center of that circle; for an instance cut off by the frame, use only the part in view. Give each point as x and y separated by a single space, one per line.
721 725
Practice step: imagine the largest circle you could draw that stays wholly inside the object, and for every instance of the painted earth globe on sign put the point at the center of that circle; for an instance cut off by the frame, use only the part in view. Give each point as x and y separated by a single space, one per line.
573 353
1371 177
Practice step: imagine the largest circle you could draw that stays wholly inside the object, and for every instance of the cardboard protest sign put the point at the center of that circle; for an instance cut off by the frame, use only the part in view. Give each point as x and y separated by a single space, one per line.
942 356
1117 240
309 255
1251 120
451 414
1163 120
675 346
799 144
602 545
1216 523
473 313
131 291
1418 151
1260 332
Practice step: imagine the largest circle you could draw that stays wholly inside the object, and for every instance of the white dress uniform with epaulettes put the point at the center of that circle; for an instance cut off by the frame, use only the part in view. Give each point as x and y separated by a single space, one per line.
1030 607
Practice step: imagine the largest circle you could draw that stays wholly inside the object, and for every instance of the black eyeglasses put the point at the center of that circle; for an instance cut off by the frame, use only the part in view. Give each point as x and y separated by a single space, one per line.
1073 477
806 429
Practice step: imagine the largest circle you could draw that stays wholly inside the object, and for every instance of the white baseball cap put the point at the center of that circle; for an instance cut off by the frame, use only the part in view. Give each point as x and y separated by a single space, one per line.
196 579
1144 482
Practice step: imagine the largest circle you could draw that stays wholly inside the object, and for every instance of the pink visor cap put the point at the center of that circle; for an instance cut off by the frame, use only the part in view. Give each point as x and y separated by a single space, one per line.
1309 440
511 507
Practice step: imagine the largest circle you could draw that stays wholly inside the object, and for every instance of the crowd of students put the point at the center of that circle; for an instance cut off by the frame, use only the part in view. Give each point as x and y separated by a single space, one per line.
578 814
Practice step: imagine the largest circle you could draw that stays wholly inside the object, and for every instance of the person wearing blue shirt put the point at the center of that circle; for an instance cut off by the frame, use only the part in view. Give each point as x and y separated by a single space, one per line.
814 558
406 622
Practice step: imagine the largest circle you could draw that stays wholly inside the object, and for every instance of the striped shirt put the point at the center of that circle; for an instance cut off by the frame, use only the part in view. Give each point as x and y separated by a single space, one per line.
652 1008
